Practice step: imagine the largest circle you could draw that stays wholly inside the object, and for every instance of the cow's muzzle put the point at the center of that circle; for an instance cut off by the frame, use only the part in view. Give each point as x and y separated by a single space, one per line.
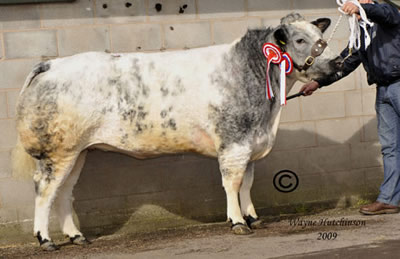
337 63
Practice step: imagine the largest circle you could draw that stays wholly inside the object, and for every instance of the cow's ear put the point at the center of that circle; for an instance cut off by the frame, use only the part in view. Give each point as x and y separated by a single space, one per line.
280 35
322 23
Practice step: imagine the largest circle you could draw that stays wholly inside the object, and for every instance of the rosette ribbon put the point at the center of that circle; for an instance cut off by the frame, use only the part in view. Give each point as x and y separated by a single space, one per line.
274 55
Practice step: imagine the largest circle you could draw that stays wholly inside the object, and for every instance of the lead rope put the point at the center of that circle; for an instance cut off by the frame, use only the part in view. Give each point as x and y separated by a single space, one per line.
330 38
355 31
335 28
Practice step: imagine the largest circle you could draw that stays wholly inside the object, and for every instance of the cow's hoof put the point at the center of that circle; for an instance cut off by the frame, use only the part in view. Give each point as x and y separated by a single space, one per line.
254 223
79 240
258 224
241 229
47 245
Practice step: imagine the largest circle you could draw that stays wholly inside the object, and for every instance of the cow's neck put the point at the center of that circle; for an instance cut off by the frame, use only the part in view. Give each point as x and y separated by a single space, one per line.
247 53
254 64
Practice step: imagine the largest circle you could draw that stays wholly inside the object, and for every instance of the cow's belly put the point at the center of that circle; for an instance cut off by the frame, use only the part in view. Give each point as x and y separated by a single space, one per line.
156 141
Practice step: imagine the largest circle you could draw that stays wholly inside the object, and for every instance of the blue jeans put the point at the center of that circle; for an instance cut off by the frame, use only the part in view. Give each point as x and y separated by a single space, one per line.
388 113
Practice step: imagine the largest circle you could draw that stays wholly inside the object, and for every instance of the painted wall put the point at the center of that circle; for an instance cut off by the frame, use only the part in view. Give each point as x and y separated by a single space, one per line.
328 139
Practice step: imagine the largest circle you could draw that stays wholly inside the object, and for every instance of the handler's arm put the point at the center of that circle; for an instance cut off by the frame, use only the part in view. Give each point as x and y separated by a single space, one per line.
384 14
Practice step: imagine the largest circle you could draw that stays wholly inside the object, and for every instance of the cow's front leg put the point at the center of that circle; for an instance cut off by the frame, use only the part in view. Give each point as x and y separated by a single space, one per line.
246 205
233 167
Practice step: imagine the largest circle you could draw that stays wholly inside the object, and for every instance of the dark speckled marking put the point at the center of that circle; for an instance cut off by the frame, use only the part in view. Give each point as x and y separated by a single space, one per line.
47 174
66 87
124 139
179 88
36 187
112 81
164 91
137 78
172 124
163 113
142 115
169 124
128 95
42 97
128 107
128 115
139 128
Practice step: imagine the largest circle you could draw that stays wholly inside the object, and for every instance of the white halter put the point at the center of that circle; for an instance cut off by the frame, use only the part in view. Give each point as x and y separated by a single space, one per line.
355 32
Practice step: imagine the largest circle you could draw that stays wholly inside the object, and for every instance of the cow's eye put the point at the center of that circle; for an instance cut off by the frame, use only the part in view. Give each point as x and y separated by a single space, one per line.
300 41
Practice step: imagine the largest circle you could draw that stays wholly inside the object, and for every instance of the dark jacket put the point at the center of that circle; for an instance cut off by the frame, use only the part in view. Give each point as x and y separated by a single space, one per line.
381 60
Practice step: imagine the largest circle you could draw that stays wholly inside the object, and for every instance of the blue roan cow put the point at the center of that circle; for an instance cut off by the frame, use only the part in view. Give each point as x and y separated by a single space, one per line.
209 100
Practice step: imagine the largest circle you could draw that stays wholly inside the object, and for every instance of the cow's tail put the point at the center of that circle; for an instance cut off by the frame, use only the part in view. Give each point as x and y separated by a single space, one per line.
37 69
23 164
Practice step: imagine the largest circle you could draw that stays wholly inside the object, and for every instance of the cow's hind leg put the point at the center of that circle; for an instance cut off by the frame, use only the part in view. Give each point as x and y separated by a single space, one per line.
233 167
64 203
48 178
246 205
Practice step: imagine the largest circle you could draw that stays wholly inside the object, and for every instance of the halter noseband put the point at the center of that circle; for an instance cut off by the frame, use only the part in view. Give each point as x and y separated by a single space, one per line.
316 50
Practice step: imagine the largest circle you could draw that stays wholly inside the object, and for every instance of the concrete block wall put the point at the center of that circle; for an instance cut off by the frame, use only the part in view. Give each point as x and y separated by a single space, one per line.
328 139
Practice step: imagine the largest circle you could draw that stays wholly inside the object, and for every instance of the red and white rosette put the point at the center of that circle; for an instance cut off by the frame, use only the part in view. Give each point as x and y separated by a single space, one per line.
275 55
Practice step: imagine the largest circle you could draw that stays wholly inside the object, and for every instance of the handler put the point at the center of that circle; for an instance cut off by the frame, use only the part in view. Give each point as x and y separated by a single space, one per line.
381 60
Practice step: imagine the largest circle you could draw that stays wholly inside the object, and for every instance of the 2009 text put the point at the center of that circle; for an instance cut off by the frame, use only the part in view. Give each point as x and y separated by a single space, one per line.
327 236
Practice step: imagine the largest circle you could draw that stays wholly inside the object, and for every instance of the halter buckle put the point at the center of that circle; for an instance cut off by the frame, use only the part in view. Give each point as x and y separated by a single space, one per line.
310 60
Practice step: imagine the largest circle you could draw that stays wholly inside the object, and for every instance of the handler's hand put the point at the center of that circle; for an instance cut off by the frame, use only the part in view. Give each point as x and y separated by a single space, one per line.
350 8
309 88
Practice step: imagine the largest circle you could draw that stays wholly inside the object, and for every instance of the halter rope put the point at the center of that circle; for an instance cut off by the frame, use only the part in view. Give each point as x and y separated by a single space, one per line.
355 31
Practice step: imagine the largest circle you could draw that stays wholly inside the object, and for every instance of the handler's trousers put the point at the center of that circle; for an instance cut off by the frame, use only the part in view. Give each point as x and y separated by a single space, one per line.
388 114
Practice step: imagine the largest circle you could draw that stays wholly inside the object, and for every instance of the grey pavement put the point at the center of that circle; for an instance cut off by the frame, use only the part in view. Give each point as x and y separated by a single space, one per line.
342 234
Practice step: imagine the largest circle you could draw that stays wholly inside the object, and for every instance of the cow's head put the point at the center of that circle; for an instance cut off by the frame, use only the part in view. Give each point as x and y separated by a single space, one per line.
302 40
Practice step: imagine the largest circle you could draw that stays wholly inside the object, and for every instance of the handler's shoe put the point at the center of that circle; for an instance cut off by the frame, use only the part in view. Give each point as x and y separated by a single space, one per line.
378 208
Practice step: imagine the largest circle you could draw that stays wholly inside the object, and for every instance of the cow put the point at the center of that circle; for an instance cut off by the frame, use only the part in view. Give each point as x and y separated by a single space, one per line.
210 101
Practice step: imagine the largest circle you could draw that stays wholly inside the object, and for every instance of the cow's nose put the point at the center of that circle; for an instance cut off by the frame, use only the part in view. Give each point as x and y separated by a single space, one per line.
337 63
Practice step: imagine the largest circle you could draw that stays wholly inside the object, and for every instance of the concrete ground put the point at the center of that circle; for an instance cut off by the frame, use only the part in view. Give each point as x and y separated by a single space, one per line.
343 233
